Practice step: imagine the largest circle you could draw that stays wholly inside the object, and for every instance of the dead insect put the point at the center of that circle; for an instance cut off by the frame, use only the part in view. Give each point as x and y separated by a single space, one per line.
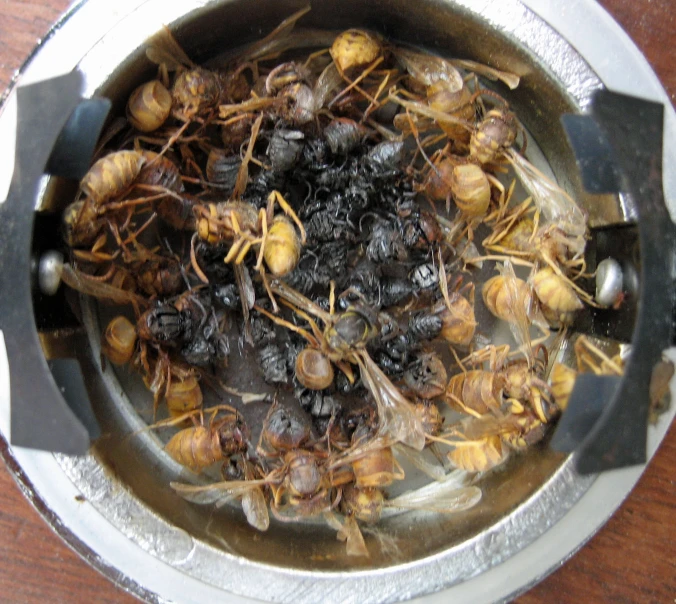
313 369
201 446
343 135
496 132
559 302
285 149
426 376
355 48
272 361
112 175
195 92
242 224
149 106
119 341
344 341
385 244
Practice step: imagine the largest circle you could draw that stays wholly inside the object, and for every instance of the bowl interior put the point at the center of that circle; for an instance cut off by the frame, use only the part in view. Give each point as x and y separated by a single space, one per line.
135 458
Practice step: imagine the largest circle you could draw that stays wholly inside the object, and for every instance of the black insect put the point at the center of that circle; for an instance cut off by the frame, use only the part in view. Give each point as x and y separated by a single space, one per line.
285 149
292 348
210 260
272 361
262 184
227 295
262 329
315 155
394 291
164 324
385 244
318 403
424 277
419 229
393 356
204 350
426 376
222 169
343 135
301 278
331 263
362 284
424 326
384 158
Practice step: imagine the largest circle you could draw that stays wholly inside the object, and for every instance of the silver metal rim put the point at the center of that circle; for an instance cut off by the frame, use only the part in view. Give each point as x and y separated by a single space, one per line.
568 510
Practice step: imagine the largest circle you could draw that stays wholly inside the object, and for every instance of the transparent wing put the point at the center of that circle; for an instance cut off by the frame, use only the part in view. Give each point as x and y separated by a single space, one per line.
521 303
428 69
511 79
348 531
256 509
83 283
275 41
416 459
447 496
219 492
326 83
397 419
163 49
556 206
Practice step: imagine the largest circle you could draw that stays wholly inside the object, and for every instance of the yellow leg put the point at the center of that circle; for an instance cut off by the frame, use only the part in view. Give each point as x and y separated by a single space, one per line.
299 330
332 297
276 197
244 251
234 250
263 221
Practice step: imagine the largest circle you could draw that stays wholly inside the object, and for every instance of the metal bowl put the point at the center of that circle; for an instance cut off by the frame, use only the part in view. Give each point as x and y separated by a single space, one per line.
536 511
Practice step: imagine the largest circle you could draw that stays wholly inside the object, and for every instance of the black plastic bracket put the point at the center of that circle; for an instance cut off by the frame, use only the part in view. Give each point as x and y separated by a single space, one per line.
48 111
619 147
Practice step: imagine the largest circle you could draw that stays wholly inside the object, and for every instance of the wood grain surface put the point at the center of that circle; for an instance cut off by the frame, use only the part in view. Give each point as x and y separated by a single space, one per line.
632 559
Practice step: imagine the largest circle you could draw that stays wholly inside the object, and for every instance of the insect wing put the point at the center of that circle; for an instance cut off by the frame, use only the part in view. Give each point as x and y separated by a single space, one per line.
425 110
103 291
219 493
416 459
444 501
163 49
348 531
556 205
511 79
397 418
256 509
326 83
520 308
428 69
275 41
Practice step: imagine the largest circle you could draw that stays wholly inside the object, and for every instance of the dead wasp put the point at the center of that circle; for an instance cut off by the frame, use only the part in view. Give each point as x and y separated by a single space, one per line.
343 341
112 175
495 132
485 442
284 430
149 106
468 185
272 361
244 226
285 149
119 340
426 376
201 446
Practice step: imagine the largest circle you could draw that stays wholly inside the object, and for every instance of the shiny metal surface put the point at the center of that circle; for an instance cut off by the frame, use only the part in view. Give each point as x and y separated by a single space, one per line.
166 549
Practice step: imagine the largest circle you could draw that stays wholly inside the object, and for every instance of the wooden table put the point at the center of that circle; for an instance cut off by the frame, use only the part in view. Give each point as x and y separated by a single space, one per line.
632 559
